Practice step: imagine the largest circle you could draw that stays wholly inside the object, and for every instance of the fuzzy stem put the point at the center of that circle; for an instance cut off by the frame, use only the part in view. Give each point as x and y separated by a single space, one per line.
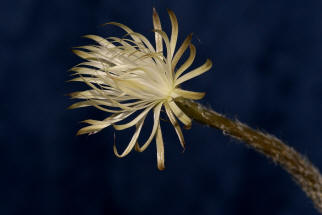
305 174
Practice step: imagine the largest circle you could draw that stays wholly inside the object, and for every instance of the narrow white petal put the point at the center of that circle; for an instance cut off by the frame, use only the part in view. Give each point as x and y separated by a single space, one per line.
175 124
125 28
202 69
160 149
180 114
134 121
96 125
174 33
189 94
157 26
132 142
156 118
180 51
100 40
188 62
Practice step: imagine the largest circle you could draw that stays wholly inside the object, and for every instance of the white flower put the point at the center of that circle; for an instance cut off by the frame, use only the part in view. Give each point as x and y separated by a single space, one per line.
128 76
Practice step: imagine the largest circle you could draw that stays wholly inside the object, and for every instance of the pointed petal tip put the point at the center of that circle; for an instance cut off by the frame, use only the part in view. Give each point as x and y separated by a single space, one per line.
84 121
183 145
108 23
161 167
88 36
137 147
183 150
115 151
111 23
155 13
70 107
169 10
79 132
187 127
67 94
72 69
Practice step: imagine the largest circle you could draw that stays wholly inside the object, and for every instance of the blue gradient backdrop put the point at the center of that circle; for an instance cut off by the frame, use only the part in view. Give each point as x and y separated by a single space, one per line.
267 72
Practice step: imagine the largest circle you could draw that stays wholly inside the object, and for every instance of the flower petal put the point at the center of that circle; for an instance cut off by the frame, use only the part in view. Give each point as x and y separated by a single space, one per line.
135 51
156 119
91 129
167 44
89 64
125 28
94 103
180 114
96 125
175 124
180 51
174 32
157 26
144 40
189 94
142 115
100 40
132 142
134 35
115 103
91 80
202 69
82 54
188 62
87 94
86 71
160 149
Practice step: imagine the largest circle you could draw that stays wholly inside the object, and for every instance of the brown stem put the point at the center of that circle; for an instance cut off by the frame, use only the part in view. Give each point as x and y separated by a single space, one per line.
306 175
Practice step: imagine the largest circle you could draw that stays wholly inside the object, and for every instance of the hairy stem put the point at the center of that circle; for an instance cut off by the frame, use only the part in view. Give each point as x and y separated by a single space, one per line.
306 175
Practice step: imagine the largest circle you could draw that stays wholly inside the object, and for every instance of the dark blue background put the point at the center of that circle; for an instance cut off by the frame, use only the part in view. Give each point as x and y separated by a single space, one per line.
267 73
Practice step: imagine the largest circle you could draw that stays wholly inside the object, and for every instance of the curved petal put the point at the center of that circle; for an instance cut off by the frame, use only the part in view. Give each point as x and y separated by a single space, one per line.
174 32
167 44
90 64
82 54
115 103
96 104
189 94
89 79
165 38
132 142
87 71
160 149
136 51
156 119
87 94
157 26
125 28
180 51
202 69
175 124
141 116
144 40
100 40
96 125
188 62
91 129
180 114
92 103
